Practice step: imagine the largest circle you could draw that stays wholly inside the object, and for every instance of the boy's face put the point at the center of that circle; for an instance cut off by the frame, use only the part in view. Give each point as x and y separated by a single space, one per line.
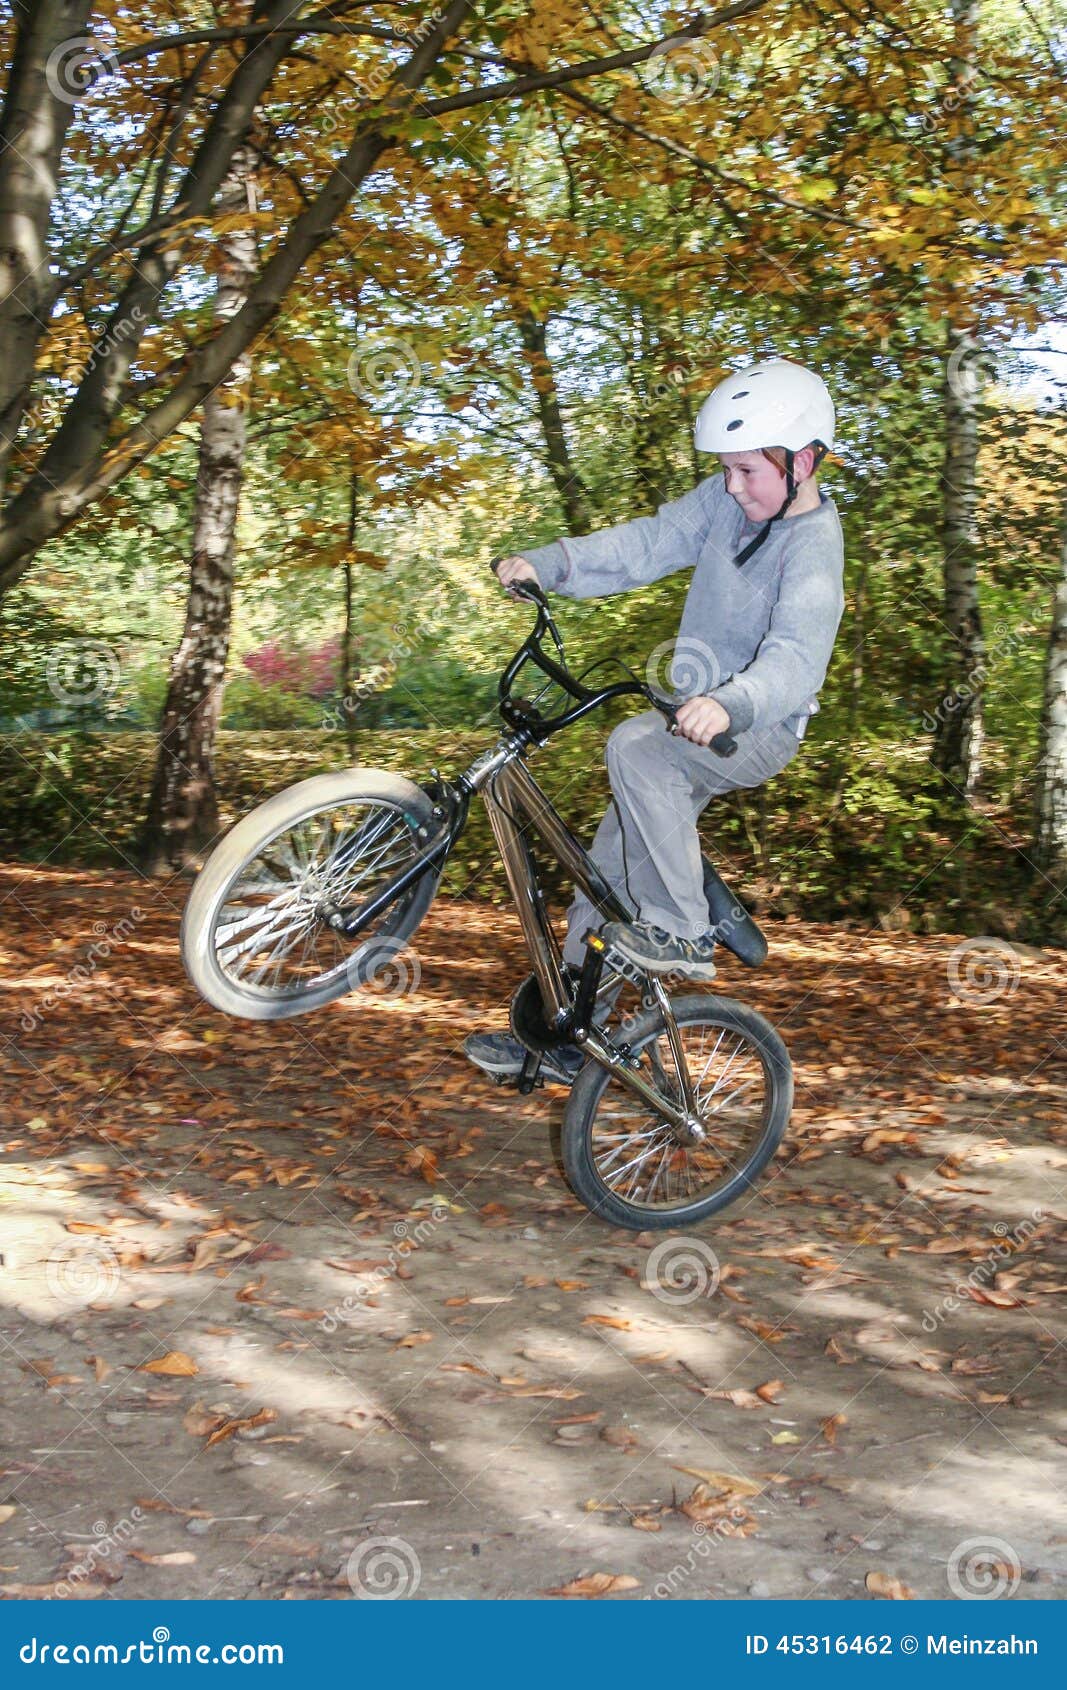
754 482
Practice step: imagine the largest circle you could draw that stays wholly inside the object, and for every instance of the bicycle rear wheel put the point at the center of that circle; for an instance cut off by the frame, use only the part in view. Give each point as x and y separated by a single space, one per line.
628 1165
256 938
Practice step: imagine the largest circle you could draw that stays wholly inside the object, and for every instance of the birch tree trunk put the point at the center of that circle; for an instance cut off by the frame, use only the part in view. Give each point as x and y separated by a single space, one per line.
960 734
183 807
1050 839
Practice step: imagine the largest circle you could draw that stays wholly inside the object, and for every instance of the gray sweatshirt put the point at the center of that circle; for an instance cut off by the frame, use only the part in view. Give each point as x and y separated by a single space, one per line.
758 638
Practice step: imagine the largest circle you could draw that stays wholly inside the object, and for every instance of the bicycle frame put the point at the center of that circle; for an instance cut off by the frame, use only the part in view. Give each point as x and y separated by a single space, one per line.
512 796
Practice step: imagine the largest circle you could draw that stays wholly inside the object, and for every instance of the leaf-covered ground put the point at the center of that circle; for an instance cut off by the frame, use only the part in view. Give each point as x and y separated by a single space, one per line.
306 1309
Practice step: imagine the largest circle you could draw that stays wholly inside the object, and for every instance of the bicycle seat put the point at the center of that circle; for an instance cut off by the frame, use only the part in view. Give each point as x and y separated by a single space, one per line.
730 921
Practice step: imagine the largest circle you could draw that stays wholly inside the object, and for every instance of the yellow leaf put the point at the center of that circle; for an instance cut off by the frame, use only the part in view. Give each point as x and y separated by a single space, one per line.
175 1362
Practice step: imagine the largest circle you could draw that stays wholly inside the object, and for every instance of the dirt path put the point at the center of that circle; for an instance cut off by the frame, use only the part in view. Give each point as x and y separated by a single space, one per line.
373 1312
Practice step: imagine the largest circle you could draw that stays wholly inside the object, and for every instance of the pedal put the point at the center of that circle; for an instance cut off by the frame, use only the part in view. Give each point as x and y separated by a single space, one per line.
614 959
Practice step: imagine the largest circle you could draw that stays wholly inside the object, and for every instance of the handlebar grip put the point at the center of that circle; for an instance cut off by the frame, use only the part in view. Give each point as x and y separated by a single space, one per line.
723 744
524 589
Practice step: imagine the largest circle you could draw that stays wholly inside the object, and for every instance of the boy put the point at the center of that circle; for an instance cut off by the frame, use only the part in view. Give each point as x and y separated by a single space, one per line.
756 634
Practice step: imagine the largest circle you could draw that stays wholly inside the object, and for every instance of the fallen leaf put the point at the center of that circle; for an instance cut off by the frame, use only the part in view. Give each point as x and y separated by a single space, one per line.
612 1320
620 1437
7 1509
175 1362
413 1338
596 1584
893 1589
645 1523
229 1427
832 1426
172 1558
771 1391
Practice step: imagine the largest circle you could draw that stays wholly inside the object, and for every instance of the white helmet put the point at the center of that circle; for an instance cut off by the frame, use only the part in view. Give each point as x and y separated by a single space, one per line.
776 403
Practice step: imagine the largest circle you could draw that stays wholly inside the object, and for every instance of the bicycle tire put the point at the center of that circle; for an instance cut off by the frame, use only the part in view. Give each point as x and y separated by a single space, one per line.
239 849
588 1091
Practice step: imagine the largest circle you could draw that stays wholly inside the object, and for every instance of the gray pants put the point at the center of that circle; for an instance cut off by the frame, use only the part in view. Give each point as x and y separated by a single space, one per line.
647 845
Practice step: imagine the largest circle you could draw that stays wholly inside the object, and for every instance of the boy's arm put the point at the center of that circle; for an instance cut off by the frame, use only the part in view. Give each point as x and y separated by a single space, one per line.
631 554
794 654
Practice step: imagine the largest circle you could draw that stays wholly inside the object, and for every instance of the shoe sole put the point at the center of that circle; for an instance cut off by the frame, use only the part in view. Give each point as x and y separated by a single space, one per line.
512 1070
683 971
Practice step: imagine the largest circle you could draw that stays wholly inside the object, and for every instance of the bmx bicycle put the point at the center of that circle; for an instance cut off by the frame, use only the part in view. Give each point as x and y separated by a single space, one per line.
680 1104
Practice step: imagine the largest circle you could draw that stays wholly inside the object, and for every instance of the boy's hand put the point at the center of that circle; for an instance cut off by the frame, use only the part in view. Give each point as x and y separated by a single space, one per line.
514 569
700 719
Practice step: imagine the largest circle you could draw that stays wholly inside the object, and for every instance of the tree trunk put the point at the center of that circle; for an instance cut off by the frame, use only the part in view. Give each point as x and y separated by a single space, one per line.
573 493
1050 839
183 806
959 735
43 88
348 668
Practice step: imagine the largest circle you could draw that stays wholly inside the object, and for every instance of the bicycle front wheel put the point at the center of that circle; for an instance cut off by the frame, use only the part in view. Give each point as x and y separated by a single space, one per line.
629 1166
256 936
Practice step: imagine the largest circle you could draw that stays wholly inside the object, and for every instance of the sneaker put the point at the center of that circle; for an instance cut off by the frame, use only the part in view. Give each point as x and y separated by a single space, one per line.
502 1056
656 951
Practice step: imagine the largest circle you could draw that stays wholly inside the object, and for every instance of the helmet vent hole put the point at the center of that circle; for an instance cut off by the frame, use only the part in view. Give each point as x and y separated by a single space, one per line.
743 394
737 423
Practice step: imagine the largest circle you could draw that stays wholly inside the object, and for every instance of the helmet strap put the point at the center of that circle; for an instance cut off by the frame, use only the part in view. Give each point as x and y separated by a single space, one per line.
791 491
790 494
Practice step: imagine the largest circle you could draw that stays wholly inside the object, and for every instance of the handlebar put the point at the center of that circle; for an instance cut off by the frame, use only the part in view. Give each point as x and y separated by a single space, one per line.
588 698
